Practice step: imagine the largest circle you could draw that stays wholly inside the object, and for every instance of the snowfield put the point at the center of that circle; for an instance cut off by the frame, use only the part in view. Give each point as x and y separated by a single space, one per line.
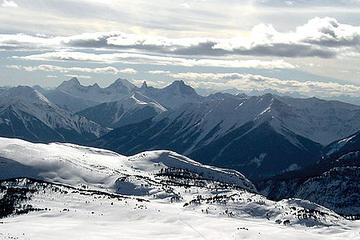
66 191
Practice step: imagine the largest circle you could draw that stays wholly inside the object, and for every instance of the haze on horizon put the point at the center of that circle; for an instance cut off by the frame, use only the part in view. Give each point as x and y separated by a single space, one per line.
302 48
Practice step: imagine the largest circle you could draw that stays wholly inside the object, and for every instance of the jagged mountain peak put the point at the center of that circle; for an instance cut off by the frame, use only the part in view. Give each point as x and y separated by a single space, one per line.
144 85
179 87
178 82
72 83
120 83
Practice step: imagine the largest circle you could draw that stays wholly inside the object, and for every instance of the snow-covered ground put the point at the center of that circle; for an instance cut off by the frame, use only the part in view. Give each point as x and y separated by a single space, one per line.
75 216
86 193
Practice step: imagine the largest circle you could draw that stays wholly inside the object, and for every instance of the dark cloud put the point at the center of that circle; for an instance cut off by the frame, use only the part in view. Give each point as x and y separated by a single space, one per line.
286 50
208 48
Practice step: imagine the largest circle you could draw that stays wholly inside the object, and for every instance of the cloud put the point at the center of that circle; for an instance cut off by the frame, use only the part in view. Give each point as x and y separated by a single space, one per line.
28 42
158 72
329 32
17 67
249 82
53 68
319 37
128 71
134 58
9 4
264 41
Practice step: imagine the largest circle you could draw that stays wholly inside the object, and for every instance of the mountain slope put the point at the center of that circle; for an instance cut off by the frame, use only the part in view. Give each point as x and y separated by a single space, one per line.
312 118
128 110
156 176
40 209
101 169
343 146
259 150
260 136
67 101
332 182
27 114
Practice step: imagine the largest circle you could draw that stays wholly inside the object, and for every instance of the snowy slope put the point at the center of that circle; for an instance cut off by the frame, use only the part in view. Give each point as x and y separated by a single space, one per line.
344 146
61 212
312 118
65 100
130 109
26 113
173 196
76 165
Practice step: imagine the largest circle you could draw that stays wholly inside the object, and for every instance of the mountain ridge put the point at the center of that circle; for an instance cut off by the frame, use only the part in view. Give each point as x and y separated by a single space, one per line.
27 113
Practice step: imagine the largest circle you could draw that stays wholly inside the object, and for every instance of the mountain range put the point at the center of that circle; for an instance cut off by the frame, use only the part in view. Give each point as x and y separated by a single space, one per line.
27 114
73 96
253 156
261 136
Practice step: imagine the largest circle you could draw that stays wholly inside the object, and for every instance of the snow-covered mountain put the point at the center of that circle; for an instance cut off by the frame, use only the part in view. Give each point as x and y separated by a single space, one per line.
127 110
25 113
172 96
344 146
65 100
337 188
76 97
310 118
260 136
319 120
101 169
331 182
115 91
70 187
73 96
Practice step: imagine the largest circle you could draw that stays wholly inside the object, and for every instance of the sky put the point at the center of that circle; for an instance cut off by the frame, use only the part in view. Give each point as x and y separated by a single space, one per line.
296 47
